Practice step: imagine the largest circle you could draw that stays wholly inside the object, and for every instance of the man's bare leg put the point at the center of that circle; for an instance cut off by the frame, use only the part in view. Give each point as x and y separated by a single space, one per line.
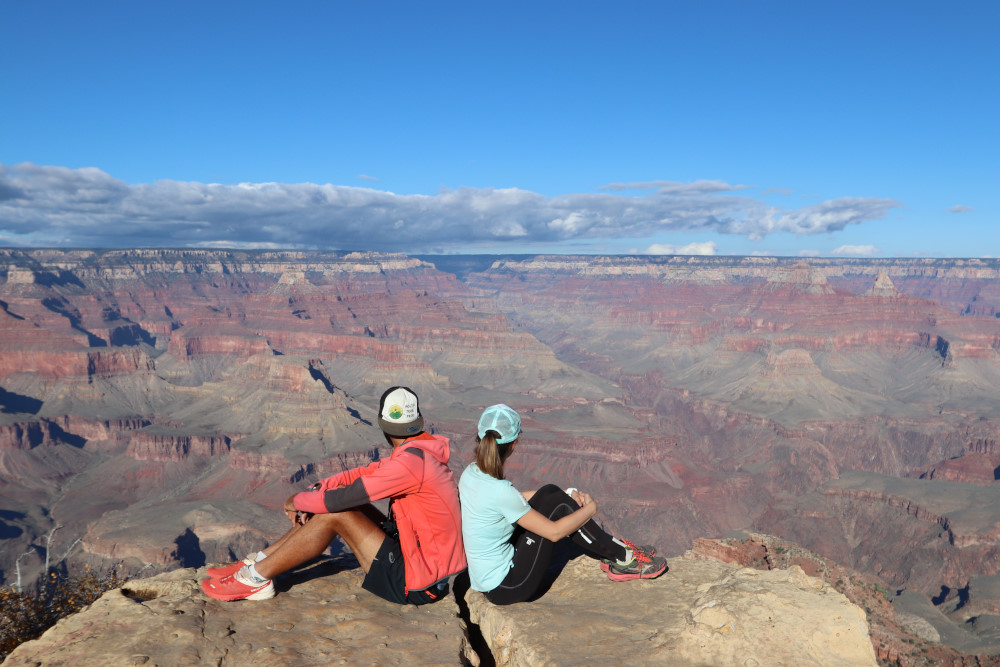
303 543
274 546
369 510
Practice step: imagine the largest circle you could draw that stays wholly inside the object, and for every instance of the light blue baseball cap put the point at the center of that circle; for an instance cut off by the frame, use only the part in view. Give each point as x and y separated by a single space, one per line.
502 419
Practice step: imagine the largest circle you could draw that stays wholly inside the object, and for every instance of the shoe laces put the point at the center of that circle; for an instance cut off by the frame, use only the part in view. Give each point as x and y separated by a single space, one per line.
631 545
638 554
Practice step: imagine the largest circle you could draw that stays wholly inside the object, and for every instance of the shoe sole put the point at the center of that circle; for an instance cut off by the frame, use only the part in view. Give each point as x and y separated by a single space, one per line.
264 593
621 576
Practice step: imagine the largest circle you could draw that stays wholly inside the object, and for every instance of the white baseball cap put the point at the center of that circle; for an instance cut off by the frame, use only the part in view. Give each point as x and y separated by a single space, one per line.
399 412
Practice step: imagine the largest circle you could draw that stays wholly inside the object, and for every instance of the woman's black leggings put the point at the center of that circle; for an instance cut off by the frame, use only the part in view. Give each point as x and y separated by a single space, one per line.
532 554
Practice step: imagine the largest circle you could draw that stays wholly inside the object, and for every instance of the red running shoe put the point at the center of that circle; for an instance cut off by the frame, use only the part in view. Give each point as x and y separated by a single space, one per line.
235 587
232 568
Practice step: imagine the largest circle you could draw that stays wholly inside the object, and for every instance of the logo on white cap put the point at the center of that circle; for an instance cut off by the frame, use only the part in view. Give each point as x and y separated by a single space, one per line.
400 406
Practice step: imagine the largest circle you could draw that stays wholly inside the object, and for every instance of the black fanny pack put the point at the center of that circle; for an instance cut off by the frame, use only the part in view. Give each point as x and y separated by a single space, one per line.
389 526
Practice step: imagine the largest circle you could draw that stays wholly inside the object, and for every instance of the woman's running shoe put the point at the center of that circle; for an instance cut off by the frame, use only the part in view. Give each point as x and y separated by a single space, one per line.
647 549
641 567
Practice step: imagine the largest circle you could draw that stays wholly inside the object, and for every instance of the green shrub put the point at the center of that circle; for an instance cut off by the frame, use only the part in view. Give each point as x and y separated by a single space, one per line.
26 615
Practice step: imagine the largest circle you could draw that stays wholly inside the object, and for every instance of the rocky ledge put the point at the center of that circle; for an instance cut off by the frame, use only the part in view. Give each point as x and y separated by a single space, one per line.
702 612
321 616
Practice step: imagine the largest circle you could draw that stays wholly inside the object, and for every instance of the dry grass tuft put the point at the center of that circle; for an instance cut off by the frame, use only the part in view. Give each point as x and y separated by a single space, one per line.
25 616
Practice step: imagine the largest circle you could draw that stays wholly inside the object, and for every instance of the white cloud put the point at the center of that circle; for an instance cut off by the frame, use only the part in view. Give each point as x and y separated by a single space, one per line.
855 251
704 248
41 205
810 253
834 215
366 177
960 208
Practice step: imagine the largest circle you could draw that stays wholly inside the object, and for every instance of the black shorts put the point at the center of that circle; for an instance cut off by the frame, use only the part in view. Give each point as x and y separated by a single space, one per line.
386 578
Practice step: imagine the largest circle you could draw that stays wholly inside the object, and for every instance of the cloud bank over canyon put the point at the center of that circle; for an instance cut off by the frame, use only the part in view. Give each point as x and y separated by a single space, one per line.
87 207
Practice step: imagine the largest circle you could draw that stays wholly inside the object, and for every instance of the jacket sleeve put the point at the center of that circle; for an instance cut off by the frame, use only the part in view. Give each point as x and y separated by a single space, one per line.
312 500
348 476
396 476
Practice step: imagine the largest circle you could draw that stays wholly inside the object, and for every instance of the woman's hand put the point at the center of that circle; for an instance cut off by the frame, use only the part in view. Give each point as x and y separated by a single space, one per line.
585 501
538 523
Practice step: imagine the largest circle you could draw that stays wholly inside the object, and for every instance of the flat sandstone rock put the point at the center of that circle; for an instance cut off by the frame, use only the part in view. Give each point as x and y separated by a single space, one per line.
166 620
701 612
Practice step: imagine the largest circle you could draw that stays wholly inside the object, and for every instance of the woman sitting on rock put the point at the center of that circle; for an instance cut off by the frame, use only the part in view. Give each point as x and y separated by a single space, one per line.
509 535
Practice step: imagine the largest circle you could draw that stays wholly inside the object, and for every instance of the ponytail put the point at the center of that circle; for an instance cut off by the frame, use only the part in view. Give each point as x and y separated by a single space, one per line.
490 456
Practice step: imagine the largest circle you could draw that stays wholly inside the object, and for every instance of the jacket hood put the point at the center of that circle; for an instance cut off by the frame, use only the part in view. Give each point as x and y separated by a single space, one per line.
437 446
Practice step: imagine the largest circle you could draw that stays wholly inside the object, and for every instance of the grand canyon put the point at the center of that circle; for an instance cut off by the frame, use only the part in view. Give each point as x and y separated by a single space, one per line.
159 405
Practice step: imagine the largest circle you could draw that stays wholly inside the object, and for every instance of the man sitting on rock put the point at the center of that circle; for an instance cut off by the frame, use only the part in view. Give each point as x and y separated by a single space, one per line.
407 558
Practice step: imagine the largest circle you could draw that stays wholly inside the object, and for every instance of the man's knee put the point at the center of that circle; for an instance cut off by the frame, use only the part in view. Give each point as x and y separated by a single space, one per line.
333 519
349 519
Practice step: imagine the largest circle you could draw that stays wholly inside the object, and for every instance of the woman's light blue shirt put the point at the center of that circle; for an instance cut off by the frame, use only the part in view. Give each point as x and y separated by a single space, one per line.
490 508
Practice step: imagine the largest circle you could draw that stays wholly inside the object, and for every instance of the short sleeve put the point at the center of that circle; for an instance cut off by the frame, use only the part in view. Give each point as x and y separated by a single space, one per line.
511 503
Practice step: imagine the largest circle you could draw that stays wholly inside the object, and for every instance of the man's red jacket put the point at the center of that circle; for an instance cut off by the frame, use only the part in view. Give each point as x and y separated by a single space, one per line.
425 505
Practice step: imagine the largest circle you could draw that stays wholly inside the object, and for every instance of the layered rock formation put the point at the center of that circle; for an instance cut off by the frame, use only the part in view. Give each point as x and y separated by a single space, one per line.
765 379
160 404
131 379
942 533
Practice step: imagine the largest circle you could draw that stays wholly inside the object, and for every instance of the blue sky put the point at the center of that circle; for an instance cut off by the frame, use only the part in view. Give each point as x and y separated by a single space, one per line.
789 128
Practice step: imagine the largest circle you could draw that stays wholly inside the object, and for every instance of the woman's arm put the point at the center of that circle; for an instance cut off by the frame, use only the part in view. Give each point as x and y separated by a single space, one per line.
539 524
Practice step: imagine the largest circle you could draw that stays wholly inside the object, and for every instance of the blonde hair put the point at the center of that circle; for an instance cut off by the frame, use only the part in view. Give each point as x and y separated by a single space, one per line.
490 456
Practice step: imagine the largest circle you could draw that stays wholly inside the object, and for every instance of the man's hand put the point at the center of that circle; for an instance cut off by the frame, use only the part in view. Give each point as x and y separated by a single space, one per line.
296 517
